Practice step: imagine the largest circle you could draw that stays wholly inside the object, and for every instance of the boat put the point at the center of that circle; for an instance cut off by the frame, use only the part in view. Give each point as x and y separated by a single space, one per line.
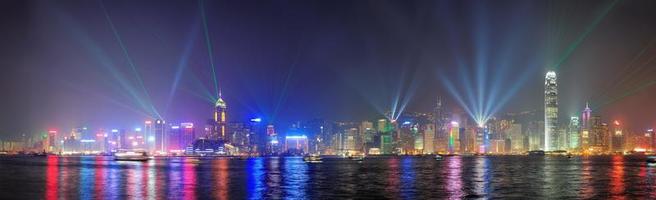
356 157
438 157
651 159
312 159
131 155
536 153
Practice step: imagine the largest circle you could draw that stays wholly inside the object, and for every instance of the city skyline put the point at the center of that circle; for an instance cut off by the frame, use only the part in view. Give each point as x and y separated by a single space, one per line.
128 71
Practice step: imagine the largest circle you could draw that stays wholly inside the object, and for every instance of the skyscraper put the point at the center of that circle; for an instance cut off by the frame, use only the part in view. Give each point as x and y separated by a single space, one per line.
586 127
219 130
160 136
551 136
617 138
574 133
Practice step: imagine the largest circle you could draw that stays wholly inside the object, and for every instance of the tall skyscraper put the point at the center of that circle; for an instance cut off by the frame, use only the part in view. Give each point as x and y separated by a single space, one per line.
219 130
573 131
617 138
160 136
551 136
586 127
149 135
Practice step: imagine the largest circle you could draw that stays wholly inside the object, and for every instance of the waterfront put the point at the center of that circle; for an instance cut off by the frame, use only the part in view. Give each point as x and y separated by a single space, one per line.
457 177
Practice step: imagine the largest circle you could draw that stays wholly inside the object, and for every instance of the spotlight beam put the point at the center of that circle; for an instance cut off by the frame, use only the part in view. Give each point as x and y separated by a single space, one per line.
570 49
129 59
208 43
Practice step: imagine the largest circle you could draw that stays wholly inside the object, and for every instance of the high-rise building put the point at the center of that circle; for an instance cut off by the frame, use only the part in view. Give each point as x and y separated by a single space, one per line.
617 138
598 135
219 129
272 144
586 127
454 137
514 132
573 132
173 139
440 121
188 134
149 135
551 136
296 144
429 139
160 135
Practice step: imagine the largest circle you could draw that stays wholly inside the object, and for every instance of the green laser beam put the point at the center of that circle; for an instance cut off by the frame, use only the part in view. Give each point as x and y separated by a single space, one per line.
626 75
570 49
208 43
129 59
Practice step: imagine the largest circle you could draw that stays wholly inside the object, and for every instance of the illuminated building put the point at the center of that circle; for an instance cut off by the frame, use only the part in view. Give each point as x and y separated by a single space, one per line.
440 121
273 146
483 139
240 136
219 131
429 139
535 132
617 138
573 132
454 137
51 141
188 134
384 126
366 135
386 143
470 133
149 135
296 145
160 136
586 127
598 135
551 136
516 138
497 146
174 135
350 140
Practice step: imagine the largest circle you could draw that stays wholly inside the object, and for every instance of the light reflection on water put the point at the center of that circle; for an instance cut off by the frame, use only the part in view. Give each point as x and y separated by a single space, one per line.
614 177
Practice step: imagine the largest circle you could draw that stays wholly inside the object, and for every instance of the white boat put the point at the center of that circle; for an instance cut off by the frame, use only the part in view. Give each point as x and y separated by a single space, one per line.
438 157
356 157
312 159
131 155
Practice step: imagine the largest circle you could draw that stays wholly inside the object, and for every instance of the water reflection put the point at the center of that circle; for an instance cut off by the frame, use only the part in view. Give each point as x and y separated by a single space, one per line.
189 180
481 176
408 178
222 180
392 177
454 178
87 173
617 176
458 177
587 190
273 178
255 178
52 174
295 178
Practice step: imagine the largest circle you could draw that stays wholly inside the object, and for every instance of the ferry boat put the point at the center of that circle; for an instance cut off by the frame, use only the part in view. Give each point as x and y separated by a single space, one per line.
356 157
651 159
439 157
312 159
131 155
536 153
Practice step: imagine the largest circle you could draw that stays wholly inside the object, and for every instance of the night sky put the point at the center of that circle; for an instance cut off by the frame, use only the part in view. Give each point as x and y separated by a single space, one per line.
116 63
